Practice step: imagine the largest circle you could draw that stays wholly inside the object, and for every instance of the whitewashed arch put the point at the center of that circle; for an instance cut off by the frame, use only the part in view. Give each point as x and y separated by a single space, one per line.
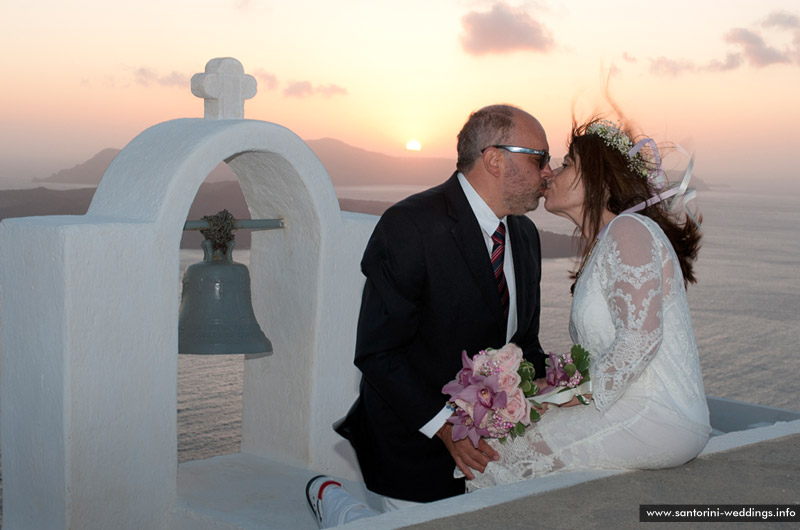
90 347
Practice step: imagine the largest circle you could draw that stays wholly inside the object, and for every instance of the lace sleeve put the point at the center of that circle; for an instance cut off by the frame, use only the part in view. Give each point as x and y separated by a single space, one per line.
630 269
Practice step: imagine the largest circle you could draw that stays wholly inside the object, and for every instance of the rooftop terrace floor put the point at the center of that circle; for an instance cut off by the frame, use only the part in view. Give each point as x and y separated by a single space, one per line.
755 466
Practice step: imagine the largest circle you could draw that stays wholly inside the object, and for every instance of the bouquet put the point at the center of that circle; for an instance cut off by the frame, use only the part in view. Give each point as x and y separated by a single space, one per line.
567 377
493 395
490 395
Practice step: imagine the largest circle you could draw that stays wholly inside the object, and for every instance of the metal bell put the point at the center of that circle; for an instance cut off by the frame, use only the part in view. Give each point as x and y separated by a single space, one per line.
216 313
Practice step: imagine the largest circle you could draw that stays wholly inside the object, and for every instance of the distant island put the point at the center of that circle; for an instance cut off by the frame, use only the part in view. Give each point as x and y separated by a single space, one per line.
211 198
346 165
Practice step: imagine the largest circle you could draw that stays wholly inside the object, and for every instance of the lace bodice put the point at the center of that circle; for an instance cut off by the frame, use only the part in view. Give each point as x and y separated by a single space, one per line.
630 304
649 410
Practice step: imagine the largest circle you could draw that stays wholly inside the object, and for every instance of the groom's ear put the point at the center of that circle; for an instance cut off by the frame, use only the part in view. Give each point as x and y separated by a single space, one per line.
493 161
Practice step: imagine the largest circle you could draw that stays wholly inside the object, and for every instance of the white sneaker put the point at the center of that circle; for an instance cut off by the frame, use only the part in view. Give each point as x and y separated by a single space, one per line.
314 490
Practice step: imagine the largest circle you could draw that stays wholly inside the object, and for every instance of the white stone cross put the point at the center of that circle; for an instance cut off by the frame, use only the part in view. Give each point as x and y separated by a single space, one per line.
224 87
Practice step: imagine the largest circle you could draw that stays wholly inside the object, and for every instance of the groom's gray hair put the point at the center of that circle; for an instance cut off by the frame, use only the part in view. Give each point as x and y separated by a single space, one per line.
485 127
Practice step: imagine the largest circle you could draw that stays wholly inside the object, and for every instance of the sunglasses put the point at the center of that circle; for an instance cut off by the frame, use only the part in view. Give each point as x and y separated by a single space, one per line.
527 150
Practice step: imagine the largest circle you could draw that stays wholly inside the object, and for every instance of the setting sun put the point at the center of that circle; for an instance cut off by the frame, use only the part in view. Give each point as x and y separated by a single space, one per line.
413 145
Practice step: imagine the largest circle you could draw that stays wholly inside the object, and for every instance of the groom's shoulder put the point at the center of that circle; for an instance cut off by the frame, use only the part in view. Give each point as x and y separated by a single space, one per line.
525 224
412 215
428 202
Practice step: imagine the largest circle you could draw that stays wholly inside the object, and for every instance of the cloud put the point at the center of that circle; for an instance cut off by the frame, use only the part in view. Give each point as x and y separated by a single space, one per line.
781 19
663 66
147 76
754 48
265 79
731 62
670 67
796 43
299 89
503 29
304 89
788 21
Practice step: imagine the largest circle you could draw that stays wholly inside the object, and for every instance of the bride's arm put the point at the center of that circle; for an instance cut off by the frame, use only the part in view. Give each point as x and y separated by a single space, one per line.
631 276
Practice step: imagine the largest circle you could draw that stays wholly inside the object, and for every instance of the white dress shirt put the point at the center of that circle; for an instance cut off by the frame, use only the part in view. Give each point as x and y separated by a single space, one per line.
488 222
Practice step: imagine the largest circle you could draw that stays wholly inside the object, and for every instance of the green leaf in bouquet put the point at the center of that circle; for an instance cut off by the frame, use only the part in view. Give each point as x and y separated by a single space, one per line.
580 357
570 369
519 429
535 416
577 351
526 370
526 387
583 400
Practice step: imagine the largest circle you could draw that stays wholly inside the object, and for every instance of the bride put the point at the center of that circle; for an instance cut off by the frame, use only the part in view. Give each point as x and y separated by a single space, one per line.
648 407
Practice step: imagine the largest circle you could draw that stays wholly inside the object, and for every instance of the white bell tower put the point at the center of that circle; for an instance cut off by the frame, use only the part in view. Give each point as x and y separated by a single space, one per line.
89 334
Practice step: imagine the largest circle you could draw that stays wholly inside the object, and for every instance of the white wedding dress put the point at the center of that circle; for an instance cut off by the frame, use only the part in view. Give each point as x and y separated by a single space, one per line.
649 409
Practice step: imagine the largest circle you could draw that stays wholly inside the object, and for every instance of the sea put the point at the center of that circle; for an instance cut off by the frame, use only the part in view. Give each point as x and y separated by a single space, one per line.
745 311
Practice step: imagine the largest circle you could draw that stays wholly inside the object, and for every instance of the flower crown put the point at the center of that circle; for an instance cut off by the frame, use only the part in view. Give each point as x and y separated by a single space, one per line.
647 164
613 136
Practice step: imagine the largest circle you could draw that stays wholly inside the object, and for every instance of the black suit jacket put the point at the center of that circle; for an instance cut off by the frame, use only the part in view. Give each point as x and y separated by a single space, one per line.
429 294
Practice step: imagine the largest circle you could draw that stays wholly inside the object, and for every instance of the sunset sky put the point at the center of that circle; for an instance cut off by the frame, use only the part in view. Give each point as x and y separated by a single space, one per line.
720 77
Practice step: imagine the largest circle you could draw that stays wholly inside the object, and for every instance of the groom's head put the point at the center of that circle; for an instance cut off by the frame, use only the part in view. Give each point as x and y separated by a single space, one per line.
503 152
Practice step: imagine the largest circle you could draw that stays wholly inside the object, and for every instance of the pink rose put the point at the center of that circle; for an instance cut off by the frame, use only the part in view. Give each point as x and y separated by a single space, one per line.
517 408
508 357
509 381
479 362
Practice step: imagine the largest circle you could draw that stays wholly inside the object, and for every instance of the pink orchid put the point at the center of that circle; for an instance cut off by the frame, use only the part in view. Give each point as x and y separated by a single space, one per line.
464 427
464 375
488 394
485 394
555 371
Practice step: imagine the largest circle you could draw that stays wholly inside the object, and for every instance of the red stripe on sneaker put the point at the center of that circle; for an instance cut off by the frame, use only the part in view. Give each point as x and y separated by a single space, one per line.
325 485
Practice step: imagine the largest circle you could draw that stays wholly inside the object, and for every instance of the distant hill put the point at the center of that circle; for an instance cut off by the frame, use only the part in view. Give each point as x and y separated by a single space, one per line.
346 165
89 172
352 166
44 201
210 199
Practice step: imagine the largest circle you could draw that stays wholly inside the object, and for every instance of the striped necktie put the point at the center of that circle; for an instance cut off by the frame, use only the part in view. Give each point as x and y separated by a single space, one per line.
498 252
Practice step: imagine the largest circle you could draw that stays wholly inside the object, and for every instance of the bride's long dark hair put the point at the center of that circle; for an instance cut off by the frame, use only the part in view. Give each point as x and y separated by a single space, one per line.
610 183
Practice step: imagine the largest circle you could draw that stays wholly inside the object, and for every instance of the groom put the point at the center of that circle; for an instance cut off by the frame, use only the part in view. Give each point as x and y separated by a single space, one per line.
432 290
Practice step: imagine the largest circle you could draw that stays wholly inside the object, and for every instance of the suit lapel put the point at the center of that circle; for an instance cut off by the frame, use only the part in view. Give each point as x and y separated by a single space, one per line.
469 238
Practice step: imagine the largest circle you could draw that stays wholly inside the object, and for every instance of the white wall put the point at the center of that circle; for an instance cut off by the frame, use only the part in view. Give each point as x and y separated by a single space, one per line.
89 327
